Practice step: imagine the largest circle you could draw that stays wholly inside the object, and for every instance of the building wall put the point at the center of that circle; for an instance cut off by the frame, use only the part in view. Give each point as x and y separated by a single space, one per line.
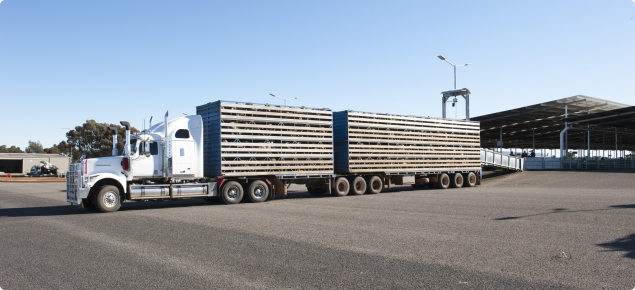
22 162
27 163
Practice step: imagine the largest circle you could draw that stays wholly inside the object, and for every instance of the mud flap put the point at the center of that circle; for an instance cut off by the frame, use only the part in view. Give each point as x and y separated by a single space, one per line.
278 186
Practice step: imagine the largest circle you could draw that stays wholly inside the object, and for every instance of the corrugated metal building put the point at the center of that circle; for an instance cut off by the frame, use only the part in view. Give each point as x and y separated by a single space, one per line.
22 162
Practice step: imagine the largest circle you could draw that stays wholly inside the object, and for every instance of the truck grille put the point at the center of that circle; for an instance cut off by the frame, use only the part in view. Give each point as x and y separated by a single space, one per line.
73 179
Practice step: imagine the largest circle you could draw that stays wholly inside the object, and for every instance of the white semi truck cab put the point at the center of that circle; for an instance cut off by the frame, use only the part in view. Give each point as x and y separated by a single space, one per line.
163 162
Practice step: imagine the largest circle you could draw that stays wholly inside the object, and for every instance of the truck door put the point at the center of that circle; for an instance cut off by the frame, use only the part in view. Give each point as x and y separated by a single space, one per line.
148 162
183 152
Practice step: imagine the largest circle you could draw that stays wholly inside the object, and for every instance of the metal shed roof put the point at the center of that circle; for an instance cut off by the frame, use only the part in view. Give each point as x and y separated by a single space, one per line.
545 119
28 155
603 124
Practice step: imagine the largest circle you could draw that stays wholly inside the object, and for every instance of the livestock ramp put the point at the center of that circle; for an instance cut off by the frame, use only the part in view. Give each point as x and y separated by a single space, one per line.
494 159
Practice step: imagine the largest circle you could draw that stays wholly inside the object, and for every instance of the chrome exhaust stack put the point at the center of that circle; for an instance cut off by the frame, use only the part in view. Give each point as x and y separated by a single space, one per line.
113 129
167 149
127 148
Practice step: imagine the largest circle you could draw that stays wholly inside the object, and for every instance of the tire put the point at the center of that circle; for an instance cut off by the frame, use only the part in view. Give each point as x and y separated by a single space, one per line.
374 185
469 179
232 193
456 181
108 199
358 185
258 191
341 187
443 181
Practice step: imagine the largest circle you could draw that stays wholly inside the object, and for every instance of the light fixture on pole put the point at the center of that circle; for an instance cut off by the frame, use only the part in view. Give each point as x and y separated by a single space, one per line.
454 65
285 100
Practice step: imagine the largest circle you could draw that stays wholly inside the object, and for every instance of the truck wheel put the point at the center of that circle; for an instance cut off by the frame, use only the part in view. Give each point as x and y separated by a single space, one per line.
232 193
108 199
258 191
342 187
374 185
469 179
443 181
358 185
456 181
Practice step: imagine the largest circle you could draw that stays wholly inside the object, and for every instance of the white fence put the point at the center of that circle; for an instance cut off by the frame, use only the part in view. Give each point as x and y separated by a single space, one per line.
495 159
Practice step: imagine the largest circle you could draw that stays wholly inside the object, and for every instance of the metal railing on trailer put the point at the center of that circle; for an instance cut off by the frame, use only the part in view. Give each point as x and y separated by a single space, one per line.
495 159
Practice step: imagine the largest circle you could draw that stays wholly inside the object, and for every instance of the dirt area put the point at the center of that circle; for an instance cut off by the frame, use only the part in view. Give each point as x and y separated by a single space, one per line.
30 179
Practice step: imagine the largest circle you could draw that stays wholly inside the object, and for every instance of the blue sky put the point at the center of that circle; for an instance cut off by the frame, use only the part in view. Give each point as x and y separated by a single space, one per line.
63 62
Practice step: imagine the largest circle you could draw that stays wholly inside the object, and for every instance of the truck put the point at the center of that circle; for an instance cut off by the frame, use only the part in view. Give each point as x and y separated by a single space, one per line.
240 151
43 168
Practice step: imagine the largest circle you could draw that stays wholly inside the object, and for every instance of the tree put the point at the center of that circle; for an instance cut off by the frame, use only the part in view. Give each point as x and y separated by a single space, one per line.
52 150
66 149
34 147
12 149
94 139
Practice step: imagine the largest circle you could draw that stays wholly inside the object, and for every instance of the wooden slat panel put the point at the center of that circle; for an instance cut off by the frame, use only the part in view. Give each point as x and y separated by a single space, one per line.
260 173
407 127
260 137
372 117
322 134
274 120
277 108
285 115
272 126
275 150
360 121
277 162
274 145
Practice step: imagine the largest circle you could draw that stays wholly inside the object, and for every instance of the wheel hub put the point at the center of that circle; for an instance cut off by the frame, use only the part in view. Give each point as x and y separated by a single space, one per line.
110 199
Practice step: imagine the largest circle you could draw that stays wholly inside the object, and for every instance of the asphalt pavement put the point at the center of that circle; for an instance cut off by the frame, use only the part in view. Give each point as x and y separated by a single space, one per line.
529 230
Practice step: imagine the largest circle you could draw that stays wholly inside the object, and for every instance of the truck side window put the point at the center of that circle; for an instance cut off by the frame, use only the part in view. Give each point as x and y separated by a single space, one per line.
154 148
182 133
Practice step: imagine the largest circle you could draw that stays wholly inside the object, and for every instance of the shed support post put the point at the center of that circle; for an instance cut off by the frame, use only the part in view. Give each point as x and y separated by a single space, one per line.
566 136
562 134
501 141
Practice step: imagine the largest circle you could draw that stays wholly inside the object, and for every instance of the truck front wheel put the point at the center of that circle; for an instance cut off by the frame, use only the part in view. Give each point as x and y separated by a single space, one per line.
108 199
232 193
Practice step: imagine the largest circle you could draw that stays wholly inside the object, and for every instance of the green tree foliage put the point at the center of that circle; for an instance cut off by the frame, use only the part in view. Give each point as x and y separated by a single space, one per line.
52 150
65 149
12 149
94 139
34 147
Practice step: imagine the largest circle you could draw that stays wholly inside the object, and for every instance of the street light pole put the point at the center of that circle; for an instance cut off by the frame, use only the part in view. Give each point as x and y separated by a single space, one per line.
454 65
285 100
